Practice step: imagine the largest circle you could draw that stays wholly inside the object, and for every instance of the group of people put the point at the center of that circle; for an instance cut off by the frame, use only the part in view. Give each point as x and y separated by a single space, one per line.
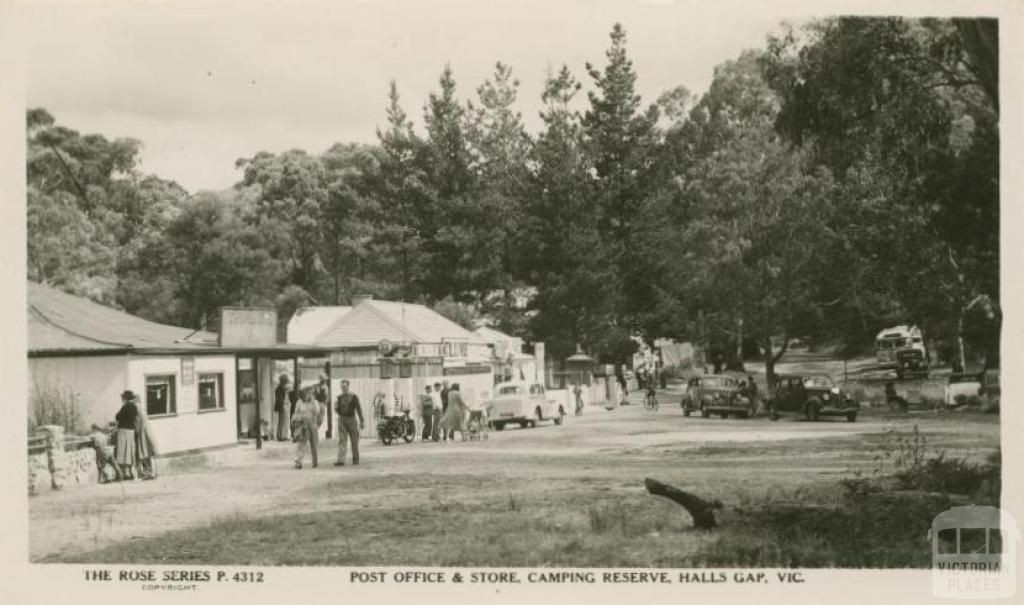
444 411
288 398
748 388
134 454
308 415
646 381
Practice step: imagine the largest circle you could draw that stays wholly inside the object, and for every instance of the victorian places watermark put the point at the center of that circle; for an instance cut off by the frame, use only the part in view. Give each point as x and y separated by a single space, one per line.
974 553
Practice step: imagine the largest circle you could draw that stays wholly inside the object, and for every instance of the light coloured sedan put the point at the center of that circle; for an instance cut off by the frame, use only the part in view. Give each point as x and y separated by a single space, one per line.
523 403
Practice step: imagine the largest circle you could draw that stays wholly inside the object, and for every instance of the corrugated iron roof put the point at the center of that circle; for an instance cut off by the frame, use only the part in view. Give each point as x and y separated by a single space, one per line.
307 323
62 322
426 325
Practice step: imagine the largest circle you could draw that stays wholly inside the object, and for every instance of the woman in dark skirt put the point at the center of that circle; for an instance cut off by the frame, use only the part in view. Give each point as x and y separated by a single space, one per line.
124 446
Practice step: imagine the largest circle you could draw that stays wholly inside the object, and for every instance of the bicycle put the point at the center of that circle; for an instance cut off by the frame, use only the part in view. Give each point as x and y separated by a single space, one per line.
651 401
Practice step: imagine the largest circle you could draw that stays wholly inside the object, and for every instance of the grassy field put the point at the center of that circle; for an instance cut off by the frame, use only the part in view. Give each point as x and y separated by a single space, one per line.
796 494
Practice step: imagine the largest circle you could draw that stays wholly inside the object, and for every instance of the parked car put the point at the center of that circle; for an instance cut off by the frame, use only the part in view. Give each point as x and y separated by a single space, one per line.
910 363
524 403
716 394
812 396
990 387
972 389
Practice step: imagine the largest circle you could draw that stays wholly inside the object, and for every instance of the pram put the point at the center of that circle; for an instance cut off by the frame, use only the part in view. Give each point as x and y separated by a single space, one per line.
476 426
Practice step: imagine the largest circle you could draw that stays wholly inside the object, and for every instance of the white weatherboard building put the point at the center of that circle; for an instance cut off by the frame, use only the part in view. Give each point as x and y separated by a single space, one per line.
185 383
422 331
507 357
395 348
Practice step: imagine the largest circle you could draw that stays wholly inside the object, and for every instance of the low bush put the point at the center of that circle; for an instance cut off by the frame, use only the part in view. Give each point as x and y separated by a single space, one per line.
51 404
955 476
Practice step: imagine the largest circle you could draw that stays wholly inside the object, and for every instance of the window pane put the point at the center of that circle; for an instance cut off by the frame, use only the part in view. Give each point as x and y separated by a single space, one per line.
972 540
995 541
947 541
159 395
210 391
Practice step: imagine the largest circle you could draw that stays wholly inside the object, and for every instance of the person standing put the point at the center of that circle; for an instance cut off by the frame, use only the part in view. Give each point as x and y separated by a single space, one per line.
752 390
293 400
349 410
321 391
145 447
437 412
124 446
427 413
444 396
578 394
445 391
309 414
280 396
455 416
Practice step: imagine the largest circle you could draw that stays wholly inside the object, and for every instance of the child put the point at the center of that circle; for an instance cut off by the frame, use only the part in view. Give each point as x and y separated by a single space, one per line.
102 443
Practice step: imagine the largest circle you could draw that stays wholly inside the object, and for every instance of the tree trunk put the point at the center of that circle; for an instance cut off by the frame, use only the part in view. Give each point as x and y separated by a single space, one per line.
405 275
770 359
739 344
961 356
702 339
337 280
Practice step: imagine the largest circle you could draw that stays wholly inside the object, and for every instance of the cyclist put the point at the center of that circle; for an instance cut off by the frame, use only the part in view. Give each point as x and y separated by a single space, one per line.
650 397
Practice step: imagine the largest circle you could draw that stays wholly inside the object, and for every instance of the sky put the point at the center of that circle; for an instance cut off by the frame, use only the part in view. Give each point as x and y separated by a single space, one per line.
202 85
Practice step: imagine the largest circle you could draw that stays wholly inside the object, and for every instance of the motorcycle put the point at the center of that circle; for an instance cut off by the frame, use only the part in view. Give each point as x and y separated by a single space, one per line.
392 427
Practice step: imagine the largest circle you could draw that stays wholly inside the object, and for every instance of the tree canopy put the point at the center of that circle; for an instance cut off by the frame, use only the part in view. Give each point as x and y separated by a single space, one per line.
842 178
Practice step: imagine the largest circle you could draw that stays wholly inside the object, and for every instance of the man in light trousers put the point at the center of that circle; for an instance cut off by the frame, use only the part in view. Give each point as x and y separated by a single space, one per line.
350 422
309 414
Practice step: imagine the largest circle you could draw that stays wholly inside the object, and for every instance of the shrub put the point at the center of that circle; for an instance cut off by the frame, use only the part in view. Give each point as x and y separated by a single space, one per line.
51 404
905 450
955 476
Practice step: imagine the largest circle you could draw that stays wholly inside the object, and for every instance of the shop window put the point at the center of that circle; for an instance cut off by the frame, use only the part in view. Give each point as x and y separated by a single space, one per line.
454 349
160 395
211 392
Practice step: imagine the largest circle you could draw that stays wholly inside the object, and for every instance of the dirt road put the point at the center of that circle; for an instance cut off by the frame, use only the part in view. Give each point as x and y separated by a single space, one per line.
599 454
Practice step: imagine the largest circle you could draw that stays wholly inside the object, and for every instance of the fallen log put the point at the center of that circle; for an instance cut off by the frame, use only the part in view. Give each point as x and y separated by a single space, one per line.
704 513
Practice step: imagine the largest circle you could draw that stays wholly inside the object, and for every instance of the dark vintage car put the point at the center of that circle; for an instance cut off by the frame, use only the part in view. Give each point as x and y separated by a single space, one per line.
910 363
811 396
716 394
990 391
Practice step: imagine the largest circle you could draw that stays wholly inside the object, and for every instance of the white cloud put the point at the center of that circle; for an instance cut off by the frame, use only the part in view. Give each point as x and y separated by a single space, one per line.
201 85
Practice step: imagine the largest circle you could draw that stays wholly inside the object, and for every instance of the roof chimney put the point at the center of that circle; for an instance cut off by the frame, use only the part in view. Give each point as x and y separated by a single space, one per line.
358 298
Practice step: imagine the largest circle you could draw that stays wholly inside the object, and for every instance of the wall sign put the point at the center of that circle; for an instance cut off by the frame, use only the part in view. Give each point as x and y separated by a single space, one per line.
248 327
188 371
